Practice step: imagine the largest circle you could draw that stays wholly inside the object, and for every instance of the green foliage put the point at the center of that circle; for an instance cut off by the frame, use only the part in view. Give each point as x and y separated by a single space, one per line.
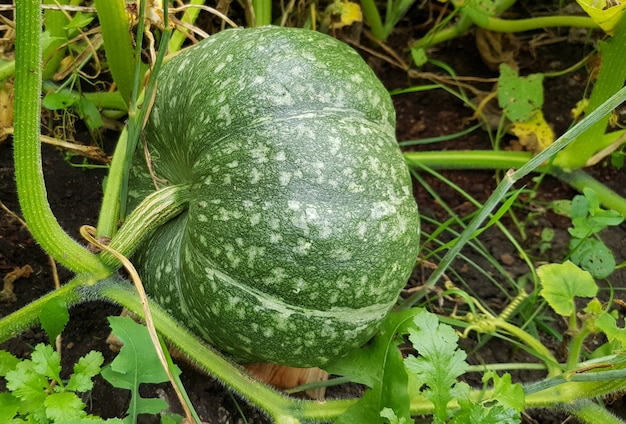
433 375
588 219
37 394
396 9
54 317
137 363
520 97
439 365
379 366
562 283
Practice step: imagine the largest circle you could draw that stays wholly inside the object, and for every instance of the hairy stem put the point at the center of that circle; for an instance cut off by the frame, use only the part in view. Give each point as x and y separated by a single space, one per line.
31 187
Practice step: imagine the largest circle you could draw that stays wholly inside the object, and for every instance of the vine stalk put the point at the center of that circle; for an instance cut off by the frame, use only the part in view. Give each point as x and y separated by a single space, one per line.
31 187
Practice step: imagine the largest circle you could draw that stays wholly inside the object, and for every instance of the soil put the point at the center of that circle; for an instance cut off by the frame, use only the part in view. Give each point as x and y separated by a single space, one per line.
75 193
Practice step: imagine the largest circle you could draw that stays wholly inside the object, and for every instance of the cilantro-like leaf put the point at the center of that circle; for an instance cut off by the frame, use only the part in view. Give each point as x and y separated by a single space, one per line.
47 362
61 407
7 362
85 369
9 405
439 363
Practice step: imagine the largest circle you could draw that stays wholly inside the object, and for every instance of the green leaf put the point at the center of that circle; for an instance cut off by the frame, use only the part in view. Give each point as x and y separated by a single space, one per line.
607 323
601 219
9 405
79 21
391 416
85 369
61 407
47 362
29 387
593 256
439 363
474 412
505 392
419 57
562 283
59 100
90 113
54 317
520 97
579 207
379 365
137 363
7 362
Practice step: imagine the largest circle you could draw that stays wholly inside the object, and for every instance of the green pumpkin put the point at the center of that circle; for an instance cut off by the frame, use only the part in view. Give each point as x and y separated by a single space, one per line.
301 228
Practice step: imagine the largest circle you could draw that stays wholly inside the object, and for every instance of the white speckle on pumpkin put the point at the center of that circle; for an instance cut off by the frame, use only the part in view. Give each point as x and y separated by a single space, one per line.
255 218
302 248
233 164
311 214
224 114
253 253
284 178
381 209
275 238
342 254
202 218
255 176
356 78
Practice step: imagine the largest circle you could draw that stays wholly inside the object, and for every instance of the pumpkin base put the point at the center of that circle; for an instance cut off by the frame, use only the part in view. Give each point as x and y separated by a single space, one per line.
283 377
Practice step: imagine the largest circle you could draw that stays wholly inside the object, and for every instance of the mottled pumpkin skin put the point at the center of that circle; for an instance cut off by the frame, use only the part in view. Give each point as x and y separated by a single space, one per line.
302 228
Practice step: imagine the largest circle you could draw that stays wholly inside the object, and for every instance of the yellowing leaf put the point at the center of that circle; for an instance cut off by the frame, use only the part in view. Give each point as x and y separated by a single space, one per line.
605 13
534 134
344 13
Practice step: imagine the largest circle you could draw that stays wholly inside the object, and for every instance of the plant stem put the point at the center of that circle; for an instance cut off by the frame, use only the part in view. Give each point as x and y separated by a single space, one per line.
503 160
189 17
468 159
591 412
155 210
102 99
576 346
610 79
542 352
279 407
370 11
110 207
530 24
118 44
27 316
469 16
262 12
31 187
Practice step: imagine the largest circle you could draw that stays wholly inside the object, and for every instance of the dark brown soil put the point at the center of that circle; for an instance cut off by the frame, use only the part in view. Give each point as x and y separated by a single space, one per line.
75 193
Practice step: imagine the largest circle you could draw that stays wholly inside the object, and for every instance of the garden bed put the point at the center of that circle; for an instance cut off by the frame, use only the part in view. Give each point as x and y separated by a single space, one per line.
75 193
